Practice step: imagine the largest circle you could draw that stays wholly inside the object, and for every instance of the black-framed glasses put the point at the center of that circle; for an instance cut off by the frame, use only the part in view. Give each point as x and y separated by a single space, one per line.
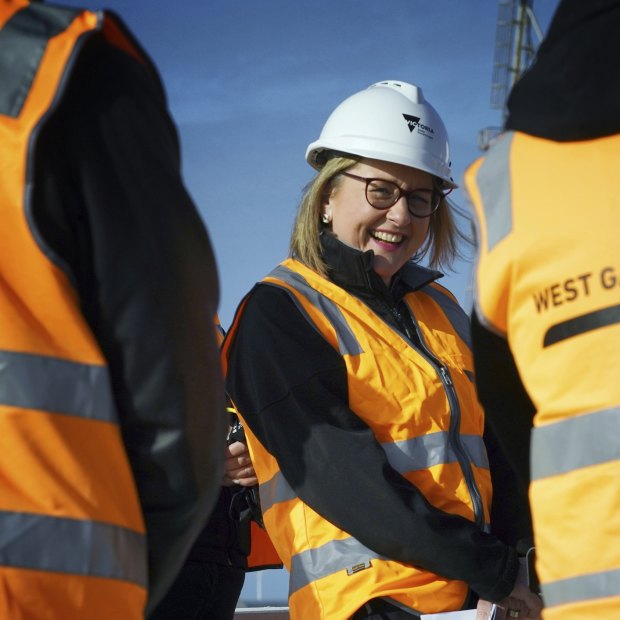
382 194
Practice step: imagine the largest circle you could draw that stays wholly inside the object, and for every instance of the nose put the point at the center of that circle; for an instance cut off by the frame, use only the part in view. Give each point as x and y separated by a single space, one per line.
398 213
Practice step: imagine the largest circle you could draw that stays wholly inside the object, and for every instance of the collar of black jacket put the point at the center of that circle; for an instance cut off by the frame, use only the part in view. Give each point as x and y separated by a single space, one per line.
351 269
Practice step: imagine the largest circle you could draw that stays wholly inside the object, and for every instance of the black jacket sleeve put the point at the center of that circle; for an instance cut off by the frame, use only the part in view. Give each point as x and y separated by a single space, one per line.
110 204
508 408
508 421
291 387
510 511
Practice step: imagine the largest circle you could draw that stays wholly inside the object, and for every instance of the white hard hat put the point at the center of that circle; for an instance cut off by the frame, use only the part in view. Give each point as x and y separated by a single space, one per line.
389 121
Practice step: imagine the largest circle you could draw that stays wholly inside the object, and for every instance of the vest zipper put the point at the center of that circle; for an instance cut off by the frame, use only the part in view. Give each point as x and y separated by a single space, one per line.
455 415
461 453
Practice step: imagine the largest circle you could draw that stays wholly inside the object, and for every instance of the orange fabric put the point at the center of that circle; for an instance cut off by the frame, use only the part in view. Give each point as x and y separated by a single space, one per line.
95 598
56 466
8 9
46 463
262 553
52 324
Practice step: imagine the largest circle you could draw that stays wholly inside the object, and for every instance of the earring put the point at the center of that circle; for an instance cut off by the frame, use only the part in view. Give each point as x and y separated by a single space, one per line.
326 218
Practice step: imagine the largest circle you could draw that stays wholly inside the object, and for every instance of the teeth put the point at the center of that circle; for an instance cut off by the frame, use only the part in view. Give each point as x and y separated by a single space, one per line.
390 238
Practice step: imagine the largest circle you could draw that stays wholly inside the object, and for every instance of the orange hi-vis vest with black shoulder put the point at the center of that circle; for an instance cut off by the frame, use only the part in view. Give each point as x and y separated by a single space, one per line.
422 408
548 281
73 540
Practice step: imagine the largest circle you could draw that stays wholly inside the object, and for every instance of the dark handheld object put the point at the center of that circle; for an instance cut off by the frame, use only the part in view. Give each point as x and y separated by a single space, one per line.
236 433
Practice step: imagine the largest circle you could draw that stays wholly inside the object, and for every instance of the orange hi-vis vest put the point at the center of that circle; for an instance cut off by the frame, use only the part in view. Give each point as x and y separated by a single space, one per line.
422 408
548 281
73 540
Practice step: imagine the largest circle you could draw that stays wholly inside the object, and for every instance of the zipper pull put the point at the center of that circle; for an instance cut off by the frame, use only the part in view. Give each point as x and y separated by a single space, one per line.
445 375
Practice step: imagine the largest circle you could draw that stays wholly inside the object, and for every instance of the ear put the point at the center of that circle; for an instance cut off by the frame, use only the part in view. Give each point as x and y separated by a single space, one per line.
326 211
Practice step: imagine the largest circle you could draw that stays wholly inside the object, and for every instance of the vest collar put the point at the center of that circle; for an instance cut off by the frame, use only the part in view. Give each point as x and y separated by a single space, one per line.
352 270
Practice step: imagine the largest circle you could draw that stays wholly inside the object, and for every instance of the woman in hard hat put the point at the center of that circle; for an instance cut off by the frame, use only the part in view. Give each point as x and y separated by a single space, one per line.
352 371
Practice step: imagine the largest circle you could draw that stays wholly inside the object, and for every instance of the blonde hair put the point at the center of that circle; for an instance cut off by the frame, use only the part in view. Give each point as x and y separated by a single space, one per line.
441 245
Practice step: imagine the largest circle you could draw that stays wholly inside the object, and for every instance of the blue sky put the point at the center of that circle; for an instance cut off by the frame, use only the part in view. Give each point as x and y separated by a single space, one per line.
251 82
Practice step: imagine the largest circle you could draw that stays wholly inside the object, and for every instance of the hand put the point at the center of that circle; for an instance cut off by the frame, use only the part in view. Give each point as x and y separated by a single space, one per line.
238 466
520 603
524 601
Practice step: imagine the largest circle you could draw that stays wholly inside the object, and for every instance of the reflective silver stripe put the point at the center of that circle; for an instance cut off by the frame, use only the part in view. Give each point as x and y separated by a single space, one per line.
347 342
275 491
336 555
426 451
23 41
576 442
55 385
583 588
493 180
454 312
61 545
476 450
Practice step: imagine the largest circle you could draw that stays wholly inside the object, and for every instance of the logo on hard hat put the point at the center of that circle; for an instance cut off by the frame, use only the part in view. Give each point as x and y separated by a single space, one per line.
413 122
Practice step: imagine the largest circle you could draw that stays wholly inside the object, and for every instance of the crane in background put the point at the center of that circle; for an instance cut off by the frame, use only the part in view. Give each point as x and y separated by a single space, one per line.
517 38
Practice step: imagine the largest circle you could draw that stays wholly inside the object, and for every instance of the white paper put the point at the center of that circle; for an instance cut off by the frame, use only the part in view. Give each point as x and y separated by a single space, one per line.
467 614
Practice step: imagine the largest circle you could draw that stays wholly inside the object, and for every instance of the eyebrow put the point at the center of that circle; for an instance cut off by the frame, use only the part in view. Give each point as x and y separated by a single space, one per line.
415 189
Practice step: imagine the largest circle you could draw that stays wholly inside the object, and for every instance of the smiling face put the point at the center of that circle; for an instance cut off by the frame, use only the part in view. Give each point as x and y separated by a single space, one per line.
393 234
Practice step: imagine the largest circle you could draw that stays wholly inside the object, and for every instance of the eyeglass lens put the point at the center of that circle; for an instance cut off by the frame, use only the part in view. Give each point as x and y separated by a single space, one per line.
383 194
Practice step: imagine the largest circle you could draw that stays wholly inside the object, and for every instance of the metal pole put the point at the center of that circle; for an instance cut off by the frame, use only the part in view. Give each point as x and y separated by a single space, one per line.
515 65
259 585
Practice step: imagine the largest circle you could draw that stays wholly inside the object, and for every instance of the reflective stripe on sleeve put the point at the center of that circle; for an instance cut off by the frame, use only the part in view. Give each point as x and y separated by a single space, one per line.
58 386
61 545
